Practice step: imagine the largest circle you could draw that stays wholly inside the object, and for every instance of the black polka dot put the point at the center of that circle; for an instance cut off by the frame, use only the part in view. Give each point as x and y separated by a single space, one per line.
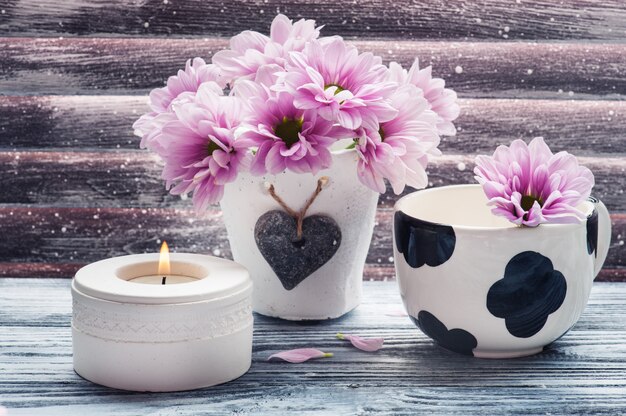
592 233
529 291
423 242
457 340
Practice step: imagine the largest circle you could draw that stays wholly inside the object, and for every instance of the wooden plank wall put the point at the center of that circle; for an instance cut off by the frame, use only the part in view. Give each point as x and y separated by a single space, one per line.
74 75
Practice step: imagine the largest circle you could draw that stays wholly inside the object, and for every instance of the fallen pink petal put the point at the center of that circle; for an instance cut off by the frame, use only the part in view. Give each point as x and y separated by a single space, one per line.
300 355
397 313
364 344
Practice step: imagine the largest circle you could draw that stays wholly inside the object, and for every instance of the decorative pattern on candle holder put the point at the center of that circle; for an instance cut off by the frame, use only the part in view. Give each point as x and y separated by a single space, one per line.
161 324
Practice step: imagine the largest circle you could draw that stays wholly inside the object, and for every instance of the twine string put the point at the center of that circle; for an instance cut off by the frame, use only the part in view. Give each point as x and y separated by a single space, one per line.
299 215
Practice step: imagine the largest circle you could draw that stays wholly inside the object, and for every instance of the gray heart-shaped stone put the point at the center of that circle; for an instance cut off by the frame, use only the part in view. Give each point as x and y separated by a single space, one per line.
291 259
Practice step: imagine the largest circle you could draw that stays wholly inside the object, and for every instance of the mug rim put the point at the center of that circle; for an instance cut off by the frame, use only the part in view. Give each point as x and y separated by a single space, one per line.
511 225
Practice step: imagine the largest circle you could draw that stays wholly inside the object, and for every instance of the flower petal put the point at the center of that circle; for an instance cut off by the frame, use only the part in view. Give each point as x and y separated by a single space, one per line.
364 344
397 313
300 355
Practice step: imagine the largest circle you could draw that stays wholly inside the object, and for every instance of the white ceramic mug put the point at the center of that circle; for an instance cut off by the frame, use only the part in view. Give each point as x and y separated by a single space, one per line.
480 285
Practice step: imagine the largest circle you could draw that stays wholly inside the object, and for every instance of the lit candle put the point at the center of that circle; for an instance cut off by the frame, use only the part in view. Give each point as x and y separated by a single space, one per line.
164 275
187 326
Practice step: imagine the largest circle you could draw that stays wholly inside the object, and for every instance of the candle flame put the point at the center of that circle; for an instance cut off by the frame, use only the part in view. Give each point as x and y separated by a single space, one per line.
164 260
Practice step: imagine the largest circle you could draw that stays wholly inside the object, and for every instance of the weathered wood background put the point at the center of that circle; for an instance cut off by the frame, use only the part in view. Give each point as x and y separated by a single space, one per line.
74 187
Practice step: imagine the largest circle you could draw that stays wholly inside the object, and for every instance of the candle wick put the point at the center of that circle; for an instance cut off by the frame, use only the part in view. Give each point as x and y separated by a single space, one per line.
163 280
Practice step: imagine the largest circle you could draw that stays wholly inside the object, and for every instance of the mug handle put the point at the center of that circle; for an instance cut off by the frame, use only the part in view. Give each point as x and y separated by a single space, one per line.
604 235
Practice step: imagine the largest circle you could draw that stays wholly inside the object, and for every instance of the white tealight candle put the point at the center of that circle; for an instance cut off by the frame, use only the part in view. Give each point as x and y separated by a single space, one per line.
187 326
164 275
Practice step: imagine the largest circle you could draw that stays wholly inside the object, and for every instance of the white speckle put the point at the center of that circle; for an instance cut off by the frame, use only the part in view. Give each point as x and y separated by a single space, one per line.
217 252
56 214
529 72
621 243
184 197
552 19
334 242
146 25
560 91
460 166
390 259
479 20
165 1
571 93
96 217
611 112
3 11
63 229
506 28
261 11
458 69
30 213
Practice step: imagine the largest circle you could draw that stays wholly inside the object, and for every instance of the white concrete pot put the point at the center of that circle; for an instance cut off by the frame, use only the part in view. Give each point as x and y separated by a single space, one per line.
334 288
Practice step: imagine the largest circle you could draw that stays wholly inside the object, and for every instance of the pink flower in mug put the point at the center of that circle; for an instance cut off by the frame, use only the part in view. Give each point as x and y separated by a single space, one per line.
529 185
398 149
442 100
200 150
182 86
286 137
252 50
343 86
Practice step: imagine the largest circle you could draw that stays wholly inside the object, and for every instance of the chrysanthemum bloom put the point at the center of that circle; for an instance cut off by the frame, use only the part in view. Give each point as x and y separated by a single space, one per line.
201 152
286 137
398 149
529 185
442 100
252 50
182 86
343 86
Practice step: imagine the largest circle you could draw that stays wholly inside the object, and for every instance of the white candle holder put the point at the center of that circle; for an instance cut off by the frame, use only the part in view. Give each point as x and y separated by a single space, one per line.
195 332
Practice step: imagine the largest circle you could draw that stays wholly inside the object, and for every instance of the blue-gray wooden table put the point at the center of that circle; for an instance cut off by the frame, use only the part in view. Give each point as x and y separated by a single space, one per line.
582 373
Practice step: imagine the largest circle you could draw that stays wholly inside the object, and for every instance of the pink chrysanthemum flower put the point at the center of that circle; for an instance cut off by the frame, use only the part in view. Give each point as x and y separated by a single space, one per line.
529 185
200 151
442 100
182 86
286 137
251 50
342 85
398 149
